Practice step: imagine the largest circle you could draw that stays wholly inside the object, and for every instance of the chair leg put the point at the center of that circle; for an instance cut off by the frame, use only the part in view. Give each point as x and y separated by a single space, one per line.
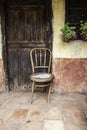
49 92
32 92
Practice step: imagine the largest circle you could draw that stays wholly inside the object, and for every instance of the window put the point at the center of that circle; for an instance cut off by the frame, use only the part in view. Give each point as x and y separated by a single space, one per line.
76 11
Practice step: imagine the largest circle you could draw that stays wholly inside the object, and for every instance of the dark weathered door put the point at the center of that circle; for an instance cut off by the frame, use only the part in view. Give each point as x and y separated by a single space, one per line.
26 28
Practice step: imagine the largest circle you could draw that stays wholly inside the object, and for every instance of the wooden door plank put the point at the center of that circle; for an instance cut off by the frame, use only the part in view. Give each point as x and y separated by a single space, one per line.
13 68
24 69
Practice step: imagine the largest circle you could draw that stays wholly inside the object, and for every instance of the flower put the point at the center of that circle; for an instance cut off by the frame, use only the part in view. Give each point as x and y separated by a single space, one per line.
68 32
83 30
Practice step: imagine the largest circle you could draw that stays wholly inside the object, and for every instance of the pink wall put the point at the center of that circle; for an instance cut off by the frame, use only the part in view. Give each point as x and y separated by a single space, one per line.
70 75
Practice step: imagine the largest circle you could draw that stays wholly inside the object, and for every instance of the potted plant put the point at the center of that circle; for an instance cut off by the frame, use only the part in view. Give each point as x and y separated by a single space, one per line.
83 30
68 33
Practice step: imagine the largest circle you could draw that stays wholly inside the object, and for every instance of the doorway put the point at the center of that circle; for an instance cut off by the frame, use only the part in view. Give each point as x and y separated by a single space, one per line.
28 25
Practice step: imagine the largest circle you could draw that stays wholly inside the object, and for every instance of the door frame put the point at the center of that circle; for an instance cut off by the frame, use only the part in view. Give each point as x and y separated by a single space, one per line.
4 46
48 5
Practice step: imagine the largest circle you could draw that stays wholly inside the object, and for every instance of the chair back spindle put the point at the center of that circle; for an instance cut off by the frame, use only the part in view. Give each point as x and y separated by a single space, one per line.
41 59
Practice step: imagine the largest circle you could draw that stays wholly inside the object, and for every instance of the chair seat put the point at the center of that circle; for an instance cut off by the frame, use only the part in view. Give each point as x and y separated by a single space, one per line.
41 77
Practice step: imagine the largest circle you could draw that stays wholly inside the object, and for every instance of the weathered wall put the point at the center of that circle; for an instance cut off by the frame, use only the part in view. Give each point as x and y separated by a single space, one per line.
1 61
69 59
0 41
70 75
74 49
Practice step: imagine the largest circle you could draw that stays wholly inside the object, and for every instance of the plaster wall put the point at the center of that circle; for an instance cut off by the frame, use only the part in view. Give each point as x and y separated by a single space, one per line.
69 59
73 49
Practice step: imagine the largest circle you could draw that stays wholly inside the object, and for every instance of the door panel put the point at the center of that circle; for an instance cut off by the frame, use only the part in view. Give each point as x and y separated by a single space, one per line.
13 68
24 69
26 28
26 25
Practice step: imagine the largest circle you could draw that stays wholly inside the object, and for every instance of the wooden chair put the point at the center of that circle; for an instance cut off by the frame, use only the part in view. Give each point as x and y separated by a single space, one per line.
41 69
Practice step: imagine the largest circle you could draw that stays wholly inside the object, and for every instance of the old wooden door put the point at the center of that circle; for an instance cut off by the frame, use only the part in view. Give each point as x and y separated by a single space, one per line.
26 28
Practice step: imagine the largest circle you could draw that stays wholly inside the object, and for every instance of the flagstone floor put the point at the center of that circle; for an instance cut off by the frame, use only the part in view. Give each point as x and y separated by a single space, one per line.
65 111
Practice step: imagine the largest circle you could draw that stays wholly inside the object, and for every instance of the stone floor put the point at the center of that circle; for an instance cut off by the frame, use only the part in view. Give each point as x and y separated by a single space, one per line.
65 111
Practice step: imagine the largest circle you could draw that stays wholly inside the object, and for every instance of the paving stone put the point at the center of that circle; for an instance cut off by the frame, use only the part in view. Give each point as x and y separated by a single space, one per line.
65 96
77 118
19 100
53 125
83 127
24 105
32 126
40 96
85 112
12 104
75 127
19 114
22 97
11 126
4 98
5 114
40 111
56 103
1 122
54 113
37 111
5 95
78 96
82 105
69 106
71 127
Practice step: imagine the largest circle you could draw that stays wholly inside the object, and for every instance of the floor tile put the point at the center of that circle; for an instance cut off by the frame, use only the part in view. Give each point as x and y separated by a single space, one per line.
53 125
19 114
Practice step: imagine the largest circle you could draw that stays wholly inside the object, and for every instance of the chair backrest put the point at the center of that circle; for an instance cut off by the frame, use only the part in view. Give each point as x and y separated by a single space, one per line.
41 59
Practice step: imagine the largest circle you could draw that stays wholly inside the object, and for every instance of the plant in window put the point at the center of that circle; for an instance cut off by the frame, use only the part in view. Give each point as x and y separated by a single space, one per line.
68 33
83 30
